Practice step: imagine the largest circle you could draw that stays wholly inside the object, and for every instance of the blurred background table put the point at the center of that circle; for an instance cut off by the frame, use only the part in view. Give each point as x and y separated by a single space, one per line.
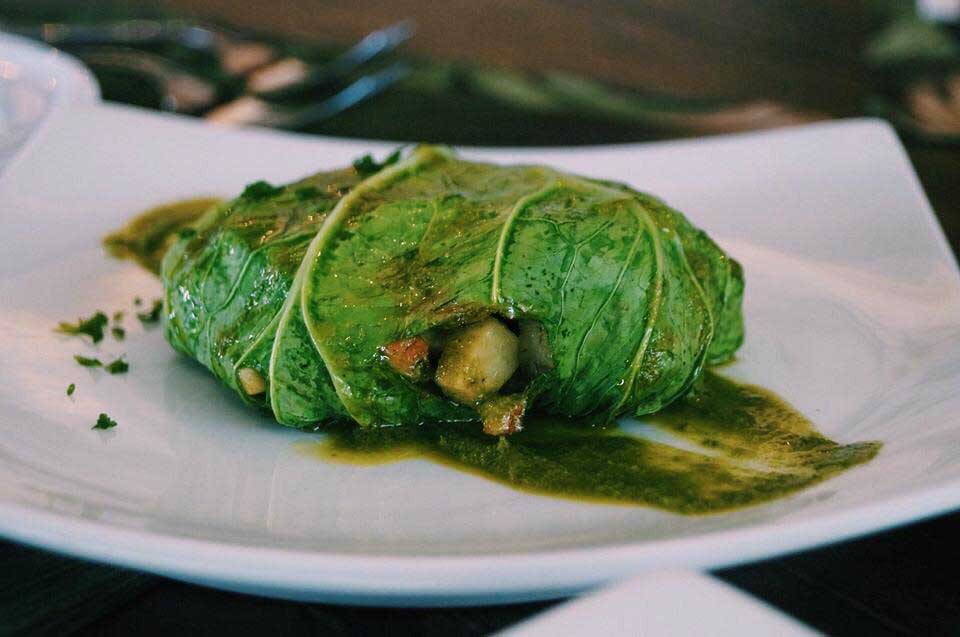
751 63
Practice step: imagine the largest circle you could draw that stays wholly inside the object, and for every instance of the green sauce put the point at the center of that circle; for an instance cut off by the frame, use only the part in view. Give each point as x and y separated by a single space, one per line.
146 237
745 446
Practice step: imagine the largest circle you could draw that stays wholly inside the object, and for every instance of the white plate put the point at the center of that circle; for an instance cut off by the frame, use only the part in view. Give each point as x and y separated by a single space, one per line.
663 604
36 82
853 314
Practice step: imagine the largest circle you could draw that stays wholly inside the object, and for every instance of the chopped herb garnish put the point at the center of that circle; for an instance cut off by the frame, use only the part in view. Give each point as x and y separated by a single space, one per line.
367 165
118 366
137 301
153 316
88 362
260 190
118 332
306 193
187 233
71 388
92 327
105 422
118 316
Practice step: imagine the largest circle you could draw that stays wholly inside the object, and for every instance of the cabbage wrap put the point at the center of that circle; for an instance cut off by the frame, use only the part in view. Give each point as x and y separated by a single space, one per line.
299 297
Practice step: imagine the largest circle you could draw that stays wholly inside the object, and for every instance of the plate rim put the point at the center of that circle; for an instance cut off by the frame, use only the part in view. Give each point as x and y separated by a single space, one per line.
439 580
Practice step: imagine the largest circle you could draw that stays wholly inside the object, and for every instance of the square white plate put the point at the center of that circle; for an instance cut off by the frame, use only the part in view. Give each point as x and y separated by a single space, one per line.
853 314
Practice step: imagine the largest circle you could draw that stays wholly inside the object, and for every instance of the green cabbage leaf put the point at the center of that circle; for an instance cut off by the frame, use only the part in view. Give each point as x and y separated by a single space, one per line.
306 283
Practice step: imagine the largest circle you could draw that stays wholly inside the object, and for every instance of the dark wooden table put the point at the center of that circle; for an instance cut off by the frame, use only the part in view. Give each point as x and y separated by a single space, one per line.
804 54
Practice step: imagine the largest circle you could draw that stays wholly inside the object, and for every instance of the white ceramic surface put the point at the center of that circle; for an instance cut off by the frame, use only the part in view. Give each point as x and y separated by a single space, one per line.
663 604
853 314
36 82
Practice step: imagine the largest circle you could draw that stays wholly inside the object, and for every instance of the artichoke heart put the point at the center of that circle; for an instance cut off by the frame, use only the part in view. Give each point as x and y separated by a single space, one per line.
434 287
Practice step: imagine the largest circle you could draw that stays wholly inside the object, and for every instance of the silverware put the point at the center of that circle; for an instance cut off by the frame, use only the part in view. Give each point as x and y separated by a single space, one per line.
109 46
267 77
179 91
292 77
250 110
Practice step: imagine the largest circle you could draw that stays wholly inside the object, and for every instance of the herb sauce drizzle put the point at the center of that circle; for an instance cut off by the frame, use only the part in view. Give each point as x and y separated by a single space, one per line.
755 448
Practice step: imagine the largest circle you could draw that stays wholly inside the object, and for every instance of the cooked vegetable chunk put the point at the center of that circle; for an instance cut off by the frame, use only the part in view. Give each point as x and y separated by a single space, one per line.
477 361
503 415
409 356
251 381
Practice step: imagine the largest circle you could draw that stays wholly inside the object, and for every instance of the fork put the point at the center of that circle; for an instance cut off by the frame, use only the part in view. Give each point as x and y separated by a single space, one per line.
267 78
292 77
180 91
249 110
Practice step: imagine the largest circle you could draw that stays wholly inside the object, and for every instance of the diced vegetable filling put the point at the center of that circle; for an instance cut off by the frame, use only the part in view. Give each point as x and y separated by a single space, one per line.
503 415
473 363
477 360
252 381
409 357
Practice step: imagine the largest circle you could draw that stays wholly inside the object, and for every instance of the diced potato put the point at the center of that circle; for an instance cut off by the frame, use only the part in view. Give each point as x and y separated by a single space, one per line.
477 360
535 357
503 415
410 357
251 381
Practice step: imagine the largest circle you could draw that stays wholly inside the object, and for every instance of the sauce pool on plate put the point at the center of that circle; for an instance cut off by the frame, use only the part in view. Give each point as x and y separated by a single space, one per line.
739 445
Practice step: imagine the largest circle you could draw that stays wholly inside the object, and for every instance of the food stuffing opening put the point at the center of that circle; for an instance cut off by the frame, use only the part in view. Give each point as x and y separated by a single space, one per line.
487 365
